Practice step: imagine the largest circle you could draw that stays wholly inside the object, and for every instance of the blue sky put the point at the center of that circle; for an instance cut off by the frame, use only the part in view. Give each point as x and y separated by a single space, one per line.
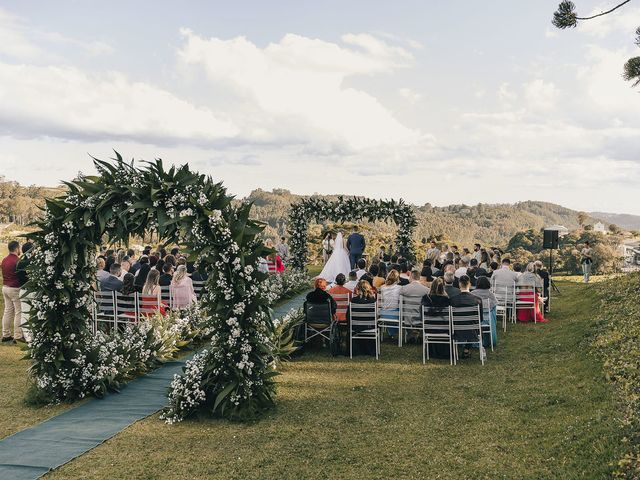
439 102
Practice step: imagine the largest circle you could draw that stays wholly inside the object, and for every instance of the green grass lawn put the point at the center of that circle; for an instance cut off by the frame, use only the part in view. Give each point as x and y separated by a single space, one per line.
540 408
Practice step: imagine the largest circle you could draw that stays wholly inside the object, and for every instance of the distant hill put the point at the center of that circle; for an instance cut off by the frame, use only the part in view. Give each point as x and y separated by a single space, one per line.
491 224
623 220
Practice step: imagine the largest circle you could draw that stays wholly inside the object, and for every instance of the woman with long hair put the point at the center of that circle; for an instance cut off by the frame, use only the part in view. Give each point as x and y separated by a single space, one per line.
390 300
181 289
363 295
151 285
328 245
436 304
150 294
489 304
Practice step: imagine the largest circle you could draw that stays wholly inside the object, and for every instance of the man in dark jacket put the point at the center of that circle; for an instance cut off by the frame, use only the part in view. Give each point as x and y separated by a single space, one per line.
355 244
112 283
167 275
466 299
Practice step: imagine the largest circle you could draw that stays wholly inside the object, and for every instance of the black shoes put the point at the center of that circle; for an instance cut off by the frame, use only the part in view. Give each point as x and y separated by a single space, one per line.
7 339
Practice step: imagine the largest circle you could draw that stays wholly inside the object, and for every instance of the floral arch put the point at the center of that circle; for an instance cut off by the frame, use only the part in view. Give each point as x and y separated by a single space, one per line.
232 376
344 210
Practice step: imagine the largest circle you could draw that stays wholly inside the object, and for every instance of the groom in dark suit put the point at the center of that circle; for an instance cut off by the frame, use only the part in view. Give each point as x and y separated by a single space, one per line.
355 244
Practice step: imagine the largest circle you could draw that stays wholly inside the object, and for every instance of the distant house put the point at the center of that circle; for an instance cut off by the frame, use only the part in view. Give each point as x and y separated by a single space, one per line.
630 255
562 230
599 227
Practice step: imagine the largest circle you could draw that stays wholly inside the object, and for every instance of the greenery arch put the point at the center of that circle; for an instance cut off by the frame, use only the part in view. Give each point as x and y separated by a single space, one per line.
344 210
232 377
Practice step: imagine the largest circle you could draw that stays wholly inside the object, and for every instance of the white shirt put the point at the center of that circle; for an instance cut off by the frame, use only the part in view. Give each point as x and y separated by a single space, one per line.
351 284
460 272
360 273
504 276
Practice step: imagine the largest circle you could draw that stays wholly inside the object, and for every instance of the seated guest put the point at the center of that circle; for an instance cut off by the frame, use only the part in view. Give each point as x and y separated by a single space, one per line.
111 259
101 274
449 286
160 265
167 275
175 251
484 260
529 278
517 267
353 281
415 288
320 296
199 275
141 274
390 299
362 265
274 259
339 289
112 283
181 288
436 304
182 261
544 275
426 278
504 275
493 266
403 279
377 280
153 260
462 270
124 268
490 302
170 259
151 285
128 287
466 299
135 263
363 295
473 272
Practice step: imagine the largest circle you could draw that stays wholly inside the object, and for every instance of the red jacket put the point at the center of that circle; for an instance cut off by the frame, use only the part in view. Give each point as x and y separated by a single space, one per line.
9 276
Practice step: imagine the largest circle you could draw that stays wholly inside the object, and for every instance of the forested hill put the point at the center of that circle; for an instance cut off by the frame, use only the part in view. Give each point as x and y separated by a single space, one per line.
486 223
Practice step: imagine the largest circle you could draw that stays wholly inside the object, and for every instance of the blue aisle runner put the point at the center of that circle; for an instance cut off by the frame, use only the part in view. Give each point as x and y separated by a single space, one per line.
29 454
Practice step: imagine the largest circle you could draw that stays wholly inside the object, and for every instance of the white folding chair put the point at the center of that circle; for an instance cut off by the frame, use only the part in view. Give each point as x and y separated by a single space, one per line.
526 299
148 305
198 287
436 329
388 317
363 325
104 309
165 296
410 314
487 326
505 294
126 308
466 320
272 268
318 320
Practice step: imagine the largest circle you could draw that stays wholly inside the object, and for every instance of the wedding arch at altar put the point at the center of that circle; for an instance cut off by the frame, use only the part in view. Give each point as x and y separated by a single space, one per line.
346 210
232 376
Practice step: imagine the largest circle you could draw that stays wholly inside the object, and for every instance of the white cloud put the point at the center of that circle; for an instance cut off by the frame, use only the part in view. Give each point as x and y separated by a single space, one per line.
624 20
298 83
541 94
68 103
410 95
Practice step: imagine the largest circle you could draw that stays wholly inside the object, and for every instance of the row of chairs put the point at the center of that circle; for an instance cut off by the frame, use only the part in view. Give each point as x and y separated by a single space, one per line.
511 298
366 323
114 308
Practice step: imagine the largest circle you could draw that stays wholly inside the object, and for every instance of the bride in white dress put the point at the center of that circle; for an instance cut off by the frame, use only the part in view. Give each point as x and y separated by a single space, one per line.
338 261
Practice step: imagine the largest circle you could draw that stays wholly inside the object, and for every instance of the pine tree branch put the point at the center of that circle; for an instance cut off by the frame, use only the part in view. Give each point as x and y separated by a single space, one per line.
603 13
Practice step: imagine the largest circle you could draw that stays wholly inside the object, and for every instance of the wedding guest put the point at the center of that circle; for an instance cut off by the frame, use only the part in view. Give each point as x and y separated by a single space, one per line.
383 269
160 265
462 270
135 263
378 280
151 285
141 274
517 268
328 245
530 278
466 299
451 290
382 251
23 277
493 266
199 275
283 249
112 283
128 284
404 279
170 259
182 261
153 261
504 275
489 304
436 304
586 259
175 251
484 262
362 265
167 275
433 253
275 260
546 281
353 281
390 300
339 289
414 289
111 259
147 250
363 295
476 252
124 268
320 296
181 288
101 274
12 316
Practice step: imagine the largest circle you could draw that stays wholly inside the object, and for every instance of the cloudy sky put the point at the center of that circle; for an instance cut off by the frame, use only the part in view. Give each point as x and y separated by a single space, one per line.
440 102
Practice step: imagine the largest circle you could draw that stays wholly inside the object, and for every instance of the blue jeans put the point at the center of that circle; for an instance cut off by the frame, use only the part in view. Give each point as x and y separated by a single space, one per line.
586 271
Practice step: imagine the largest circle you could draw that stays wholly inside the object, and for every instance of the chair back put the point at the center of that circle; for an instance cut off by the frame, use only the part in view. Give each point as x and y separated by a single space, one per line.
165 296
465 319
505 293
126 307
198 287
272 267
525 295
148 305
410 310
104 307
436 320
363 314
319 313
342 300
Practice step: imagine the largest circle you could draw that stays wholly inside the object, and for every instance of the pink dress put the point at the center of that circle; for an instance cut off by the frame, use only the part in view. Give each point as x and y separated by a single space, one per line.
182 293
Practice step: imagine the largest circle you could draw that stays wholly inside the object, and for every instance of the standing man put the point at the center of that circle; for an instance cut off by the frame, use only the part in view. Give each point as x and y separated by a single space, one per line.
23 278
283 249
11 295
586 260
355 244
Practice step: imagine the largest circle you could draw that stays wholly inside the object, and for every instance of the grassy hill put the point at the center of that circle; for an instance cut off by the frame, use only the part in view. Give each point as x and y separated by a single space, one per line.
464 224
623 220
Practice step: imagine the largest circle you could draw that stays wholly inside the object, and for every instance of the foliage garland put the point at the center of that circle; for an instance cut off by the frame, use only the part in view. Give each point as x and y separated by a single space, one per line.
344 210
182 206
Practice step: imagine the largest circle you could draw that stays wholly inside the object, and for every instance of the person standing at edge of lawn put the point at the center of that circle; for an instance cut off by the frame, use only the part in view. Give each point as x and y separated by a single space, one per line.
11 295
